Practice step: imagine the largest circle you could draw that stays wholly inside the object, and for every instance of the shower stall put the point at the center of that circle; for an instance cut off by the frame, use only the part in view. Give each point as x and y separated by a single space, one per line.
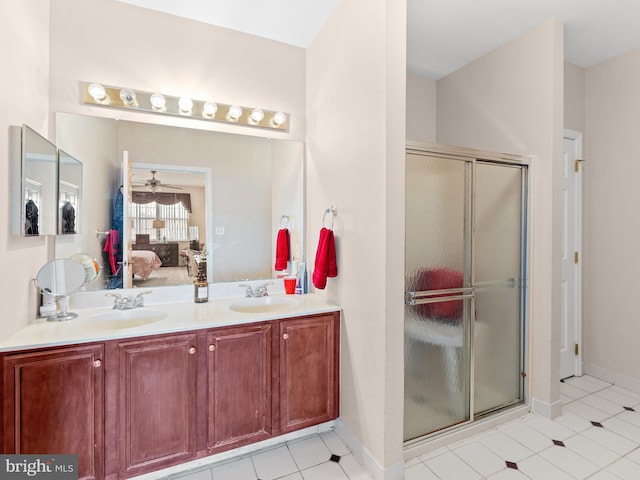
465 286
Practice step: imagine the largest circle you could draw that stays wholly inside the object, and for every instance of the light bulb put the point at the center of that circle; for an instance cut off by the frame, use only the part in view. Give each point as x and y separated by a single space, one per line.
128 96
185 104
209 109
235 113
97 92
257 115
158 102
279 119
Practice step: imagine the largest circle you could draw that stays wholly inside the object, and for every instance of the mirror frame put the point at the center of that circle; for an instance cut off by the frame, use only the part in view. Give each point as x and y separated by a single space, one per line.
208 193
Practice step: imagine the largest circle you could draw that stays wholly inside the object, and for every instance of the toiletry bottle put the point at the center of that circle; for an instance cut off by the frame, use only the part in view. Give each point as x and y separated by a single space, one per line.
304 285
200 284
294 267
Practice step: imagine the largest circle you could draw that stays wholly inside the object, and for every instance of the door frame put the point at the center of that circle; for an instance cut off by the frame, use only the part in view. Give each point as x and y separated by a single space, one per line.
576 224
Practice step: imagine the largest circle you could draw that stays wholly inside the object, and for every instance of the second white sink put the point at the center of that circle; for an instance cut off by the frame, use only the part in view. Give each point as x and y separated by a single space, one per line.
262 304
115 319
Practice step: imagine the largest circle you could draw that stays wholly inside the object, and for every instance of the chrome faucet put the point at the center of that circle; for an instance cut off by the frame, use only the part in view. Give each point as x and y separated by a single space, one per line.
260 291
125 303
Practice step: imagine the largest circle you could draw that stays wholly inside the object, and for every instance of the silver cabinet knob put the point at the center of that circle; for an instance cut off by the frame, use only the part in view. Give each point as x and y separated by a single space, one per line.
97 363
192 350
285 336
212 347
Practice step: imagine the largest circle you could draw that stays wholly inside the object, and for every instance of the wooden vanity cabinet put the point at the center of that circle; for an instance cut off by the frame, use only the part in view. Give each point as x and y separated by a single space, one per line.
239 386
53 403
309 376
156 402
133 406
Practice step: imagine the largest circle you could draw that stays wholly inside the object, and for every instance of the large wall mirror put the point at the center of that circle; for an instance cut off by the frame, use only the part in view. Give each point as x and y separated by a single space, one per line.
220 195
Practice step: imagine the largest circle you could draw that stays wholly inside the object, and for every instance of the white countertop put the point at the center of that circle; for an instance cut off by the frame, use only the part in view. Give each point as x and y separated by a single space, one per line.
180 316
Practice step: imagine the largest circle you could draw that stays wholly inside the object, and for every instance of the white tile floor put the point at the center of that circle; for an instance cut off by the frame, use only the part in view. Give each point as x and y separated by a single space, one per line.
597 437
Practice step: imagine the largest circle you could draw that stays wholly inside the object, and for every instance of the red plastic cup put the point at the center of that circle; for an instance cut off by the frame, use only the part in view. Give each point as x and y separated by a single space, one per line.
290 285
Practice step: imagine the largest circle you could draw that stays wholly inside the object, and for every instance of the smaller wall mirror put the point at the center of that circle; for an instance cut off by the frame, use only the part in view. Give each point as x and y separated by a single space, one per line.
69 193
34 204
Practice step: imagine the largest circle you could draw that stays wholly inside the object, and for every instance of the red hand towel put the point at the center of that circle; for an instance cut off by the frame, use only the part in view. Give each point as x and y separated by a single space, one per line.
282 249
111 246
332 268
325 265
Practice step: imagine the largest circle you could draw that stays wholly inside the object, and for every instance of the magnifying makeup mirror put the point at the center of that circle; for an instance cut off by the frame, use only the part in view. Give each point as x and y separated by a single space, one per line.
91 267
58 279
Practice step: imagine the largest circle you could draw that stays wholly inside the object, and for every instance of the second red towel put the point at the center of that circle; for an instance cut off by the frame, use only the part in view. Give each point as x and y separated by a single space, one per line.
326 265
282 249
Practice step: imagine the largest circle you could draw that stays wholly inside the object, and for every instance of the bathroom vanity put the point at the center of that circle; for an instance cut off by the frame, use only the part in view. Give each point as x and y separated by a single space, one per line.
202 380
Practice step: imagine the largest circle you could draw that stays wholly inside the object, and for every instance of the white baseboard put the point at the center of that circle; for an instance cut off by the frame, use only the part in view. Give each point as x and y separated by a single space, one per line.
368 461
545 409
237 453
610 376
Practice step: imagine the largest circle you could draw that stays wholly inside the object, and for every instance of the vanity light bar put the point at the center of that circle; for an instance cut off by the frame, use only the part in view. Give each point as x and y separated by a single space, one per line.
129 99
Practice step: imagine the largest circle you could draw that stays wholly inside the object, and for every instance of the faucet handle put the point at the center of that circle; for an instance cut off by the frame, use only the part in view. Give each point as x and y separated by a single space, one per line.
117 303
261 291
139 300
249 291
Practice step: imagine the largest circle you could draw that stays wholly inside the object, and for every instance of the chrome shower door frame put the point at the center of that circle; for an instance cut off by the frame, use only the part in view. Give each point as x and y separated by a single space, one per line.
467 293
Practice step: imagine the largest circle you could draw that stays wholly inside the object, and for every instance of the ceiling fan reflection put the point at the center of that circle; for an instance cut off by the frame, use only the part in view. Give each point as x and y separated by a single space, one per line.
155 185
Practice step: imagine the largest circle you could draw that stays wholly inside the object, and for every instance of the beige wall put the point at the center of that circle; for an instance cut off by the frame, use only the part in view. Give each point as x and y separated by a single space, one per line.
611 226
574 97
510 101
355 101
130 46
50 50
421 109
24 55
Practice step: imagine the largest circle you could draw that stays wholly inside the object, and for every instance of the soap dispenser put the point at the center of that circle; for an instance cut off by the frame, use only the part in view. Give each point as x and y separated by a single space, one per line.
200 284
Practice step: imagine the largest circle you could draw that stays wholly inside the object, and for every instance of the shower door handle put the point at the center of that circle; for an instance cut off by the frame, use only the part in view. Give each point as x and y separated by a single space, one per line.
433 296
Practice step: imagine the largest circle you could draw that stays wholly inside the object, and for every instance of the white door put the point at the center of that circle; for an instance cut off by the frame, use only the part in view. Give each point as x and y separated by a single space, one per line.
571 297
127 278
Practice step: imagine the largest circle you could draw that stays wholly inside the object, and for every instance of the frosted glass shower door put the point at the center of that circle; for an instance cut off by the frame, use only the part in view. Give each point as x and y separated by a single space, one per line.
465 284
499 207
437 277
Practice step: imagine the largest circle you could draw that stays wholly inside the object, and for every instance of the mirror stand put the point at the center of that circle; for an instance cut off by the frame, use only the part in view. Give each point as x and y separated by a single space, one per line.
63 310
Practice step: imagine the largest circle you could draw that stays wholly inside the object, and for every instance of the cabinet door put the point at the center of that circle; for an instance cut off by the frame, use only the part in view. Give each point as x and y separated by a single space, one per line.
54 403
156 403
238 386
308 371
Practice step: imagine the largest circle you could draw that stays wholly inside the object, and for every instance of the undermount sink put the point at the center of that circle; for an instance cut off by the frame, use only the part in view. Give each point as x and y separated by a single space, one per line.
115 319
262 304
